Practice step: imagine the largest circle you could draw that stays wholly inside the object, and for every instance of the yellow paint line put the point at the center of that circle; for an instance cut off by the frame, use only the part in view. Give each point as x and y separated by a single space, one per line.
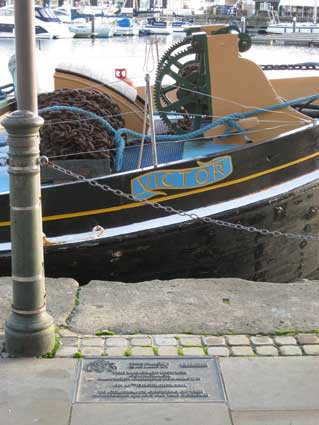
175 196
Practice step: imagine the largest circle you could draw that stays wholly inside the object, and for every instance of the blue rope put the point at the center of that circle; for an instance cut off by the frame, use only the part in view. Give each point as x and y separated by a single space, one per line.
229 120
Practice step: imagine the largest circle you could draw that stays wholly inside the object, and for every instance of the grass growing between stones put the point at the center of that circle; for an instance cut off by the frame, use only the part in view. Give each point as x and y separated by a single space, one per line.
78 355
180 351
52 353
282 332
76 302
155 350
128 352
106 332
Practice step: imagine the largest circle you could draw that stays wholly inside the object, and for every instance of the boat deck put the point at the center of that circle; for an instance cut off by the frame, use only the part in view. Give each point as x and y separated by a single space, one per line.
166 151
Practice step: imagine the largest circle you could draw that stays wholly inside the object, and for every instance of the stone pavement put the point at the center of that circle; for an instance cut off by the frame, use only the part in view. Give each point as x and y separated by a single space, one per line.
232 317
264 336
196 306
258 391
181 306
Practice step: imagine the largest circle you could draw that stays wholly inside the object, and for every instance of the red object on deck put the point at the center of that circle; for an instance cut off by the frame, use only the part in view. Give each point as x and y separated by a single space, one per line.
121 74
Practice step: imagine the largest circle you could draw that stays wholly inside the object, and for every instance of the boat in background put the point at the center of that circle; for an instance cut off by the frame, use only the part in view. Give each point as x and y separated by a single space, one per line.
155 26
124 26
293 28
47 25
103 28
182 25
64 13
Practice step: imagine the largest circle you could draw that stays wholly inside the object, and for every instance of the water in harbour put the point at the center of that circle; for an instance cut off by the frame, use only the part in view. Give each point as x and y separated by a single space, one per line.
130 53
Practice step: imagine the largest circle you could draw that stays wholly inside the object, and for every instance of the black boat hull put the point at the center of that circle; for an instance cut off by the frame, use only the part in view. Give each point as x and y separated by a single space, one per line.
197 249
272 185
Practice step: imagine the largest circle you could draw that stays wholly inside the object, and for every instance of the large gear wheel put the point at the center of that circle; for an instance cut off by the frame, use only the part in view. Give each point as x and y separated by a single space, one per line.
181 88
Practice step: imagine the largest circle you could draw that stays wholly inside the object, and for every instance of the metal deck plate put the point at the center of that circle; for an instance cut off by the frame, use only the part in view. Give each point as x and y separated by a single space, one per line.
149 379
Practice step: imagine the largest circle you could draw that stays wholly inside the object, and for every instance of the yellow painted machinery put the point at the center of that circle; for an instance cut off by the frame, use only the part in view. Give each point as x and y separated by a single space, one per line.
204 77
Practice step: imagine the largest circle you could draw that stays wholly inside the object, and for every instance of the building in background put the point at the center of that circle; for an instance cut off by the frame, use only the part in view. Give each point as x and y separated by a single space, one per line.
267 8
301 9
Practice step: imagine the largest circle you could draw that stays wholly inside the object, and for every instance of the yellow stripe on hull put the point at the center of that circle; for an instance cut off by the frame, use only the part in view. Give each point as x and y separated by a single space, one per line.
175 196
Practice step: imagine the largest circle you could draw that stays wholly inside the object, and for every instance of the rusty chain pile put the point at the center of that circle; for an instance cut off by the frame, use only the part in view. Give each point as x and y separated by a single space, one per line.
66 132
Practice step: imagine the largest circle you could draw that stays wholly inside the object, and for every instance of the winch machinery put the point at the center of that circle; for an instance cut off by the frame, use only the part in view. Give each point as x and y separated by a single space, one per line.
183 86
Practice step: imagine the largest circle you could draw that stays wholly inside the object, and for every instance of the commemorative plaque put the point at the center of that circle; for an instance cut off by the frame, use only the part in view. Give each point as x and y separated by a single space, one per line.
145 379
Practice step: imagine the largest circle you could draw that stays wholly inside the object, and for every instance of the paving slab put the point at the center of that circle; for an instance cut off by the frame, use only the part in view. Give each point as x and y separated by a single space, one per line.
158 307
277 383
61 295
150 413
276 418
36 391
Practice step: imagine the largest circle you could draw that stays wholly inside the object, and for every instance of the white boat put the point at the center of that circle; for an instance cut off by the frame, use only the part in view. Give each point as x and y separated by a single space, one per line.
63 13
154 26
181 26
125 26
102 28
293 27
305 8
47 25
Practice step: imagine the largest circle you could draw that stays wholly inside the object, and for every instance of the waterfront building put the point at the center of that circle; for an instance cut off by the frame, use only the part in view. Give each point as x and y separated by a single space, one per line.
301 9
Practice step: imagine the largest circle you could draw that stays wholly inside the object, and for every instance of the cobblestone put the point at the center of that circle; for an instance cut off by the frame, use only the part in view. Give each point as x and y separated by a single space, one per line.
190 341
307 339
165 341
261 340
285 340
193 351
189 345
142 351
70 341
266 350
242 351
141 341
66 351
167 351
116 342
237 340
217 341
92 342
290 350
115 351
92 351
218 351
311 350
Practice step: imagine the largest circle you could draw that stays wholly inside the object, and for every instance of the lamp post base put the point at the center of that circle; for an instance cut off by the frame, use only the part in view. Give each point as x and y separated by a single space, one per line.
30 336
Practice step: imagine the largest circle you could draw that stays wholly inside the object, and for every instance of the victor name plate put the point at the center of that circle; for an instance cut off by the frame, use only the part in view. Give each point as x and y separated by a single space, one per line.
149 379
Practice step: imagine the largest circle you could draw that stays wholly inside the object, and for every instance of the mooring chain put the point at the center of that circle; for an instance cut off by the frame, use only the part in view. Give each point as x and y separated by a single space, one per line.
291 67
208 220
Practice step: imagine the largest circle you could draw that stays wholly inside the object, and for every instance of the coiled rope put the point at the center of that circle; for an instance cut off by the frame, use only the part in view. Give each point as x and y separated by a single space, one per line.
229 120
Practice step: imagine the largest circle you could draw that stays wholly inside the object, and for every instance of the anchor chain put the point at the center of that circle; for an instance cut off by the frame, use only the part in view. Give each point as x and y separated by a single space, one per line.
291 67
71 132
208 220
